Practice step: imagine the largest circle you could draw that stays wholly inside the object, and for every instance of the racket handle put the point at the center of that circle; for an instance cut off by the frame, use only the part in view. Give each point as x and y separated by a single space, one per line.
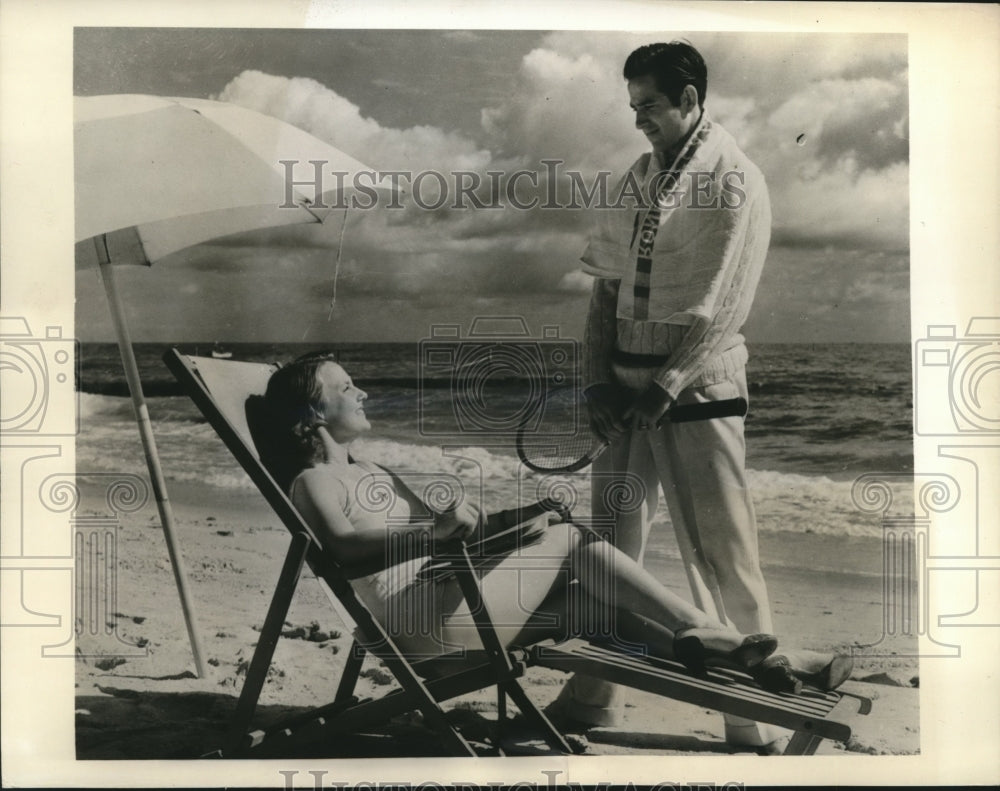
516 516
707 410
560 508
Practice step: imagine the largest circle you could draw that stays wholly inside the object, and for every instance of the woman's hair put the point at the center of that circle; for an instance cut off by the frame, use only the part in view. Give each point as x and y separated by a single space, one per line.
286 433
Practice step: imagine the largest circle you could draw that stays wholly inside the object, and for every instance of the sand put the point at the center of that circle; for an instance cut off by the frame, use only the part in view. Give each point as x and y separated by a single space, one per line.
138 697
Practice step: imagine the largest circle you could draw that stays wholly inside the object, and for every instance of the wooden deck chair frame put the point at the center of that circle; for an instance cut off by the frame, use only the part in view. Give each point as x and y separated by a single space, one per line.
202 378
812 716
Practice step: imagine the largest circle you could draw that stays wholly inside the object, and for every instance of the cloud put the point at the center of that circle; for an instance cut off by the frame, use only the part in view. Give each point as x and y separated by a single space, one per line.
568 107
842 193
843 205
464 36
862 118
847 183
326 114
844 182
576 280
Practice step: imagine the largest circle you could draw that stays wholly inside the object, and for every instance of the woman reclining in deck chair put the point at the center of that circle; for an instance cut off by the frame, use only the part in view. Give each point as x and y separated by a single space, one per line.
313 411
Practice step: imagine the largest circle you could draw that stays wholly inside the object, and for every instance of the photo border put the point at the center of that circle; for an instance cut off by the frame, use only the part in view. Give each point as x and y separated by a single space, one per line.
954 249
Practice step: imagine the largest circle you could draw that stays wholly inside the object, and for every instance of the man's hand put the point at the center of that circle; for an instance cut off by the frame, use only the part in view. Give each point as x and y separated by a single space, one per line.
606 404
648 408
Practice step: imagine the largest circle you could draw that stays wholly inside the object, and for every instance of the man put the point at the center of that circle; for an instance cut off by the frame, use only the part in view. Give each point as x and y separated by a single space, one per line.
676 261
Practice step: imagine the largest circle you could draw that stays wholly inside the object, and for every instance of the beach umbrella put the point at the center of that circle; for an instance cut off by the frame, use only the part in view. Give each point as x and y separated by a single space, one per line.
155 175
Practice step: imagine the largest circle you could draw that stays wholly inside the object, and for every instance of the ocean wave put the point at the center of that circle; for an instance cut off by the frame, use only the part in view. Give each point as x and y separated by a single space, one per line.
784 502
785 496
102 406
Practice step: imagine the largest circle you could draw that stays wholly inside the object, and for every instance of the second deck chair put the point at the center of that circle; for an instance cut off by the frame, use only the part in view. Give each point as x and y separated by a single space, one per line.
221 389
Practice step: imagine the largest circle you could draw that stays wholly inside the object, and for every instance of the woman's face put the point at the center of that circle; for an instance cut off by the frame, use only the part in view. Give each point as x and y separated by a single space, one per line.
342 403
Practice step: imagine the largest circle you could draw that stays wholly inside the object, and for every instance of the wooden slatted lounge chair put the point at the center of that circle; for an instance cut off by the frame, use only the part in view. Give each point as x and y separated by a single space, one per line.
222 389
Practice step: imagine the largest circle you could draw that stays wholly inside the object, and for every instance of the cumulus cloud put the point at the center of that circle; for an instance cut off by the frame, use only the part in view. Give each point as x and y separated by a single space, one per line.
326 114
862 118
576 280
824 117
566 106
844 205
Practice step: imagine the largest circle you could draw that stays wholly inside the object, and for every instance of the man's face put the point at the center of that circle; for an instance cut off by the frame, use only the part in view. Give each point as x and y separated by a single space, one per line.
663 123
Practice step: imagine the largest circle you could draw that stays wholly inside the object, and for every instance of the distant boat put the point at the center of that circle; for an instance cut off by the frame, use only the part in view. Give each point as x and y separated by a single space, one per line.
220 354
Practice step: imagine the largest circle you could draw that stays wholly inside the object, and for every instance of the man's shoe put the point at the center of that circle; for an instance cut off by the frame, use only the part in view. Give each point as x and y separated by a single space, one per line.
756 737
822 671
775 675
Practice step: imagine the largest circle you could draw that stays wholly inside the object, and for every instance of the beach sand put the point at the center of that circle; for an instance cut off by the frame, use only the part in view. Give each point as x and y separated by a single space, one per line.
139 699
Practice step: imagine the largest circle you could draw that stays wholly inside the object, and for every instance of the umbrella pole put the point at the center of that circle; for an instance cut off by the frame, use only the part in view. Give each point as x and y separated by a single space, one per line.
152 458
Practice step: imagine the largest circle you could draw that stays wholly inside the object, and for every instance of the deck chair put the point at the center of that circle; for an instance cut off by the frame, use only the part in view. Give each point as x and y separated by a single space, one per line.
222 389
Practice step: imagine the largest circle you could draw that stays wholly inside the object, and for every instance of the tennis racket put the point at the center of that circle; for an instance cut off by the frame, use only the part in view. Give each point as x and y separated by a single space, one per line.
556 436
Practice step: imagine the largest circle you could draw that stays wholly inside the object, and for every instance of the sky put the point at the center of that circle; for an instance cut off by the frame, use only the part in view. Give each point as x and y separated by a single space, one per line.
824 116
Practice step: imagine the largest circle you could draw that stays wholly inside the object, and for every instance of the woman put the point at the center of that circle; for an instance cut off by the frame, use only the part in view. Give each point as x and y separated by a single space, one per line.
370 521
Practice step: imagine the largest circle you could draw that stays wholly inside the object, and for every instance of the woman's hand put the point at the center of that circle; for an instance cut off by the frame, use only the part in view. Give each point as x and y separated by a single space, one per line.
461 521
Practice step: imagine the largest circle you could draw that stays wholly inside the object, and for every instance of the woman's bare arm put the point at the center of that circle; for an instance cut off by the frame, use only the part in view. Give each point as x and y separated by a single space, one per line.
367 549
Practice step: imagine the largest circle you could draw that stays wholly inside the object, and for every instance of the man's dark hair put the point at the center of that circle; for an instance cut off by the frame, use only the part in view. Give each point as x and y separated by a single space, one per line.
672 66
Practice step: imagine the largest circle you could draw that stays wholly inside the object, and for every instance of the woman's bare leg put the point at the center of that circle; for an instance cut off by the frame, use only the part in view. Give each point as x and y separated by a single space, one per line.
517 586
612 577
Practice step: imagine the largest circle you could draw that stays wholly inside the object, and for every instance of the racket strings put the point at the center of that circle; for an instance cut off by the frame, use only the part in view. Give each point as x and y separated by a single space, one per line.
559 436
556 454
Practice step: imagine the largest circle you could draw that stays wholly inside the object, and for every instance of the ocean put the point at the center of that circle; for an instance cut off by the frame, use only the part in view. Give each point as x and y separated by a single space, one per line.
820 417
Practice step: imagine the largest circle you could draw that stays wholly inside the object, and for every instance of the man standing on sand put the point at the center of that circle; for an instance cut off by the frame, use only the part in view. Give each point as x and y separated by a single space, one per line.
677 260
